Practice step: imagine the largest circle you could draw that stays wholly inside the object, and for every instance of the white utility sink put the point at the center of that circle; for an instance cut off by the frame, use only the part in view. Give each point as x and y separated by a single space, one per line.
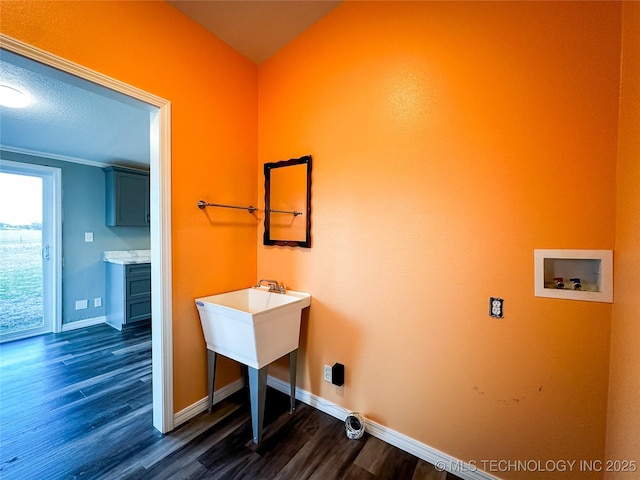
252 326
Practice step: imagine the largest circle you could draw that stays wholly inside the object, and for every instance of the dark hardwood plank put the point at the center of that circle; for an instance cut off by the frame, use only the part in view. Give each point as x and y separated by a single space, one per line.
315 452
180 462
373 456
426 471
340 455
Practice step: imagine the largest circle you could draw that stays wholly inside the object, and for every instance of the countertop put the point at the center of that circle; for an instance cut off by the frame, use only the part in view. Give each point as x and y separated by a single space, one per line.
127 257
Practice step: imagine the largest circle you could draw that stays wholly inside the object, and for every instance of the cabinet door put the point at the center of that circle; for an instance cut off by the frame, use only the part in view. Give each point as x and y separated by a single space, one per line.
127 198
138 310
138 287
132 199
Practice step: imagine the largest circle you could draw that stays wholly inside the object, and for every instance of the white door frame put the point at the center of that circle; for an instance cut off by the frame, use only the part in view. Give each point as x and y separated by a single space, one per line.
51 236
160 194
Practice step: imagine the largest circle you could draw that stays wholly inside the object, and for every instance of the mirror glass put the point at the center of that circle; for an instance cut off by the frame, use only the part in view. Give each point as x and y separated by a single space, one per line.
287 198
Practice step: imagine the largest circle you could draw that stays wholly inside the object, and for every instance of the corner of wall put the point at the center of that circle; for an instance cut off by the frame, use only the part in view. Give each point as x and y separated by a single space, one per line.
623 421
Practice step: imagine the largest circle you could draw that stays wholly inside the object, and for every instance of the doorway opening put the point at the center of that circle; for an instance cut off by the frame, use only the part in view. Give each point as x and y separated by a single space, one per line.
160 225
29 250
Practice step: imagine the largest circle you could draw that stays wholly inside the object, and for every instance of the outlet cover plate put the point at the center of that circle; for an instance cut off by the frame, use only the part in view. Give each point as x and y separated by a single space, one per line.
496 307
328 376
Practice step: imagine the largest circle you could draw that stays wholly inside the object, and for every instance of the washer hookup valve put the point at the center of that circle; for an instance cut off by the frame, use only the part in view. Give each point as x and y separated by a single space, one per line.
576 283
559 282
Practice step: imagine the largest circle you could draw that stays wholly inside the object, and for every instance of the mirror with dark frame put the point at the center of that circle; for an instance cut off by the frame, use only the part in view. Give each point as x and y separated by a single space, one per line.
287 199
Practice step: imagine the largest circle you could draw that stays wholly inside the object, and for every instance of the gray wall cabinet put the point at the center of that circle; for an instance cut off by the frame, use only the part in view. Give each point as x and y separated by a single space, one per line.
127 197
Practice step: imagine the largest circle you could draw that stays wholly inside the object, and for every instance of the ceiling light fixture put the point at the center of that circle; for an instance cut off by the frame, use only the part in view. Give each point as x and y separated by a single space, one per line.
13 97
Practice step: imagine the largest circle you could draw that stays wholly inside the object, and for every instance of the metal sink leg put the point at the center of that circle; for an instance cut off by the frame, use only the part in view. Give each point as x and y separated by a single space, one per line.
257 392
293 364
211 368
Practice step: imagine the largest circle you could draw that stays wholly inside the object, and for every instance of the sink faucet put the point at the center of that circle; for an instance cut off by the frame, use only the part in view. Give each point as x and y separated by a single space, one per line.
274 286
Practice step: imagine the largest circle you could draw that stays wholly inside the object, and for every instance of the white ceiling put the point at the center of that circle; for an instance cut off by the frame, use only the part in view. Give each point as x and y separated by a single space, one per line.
76 120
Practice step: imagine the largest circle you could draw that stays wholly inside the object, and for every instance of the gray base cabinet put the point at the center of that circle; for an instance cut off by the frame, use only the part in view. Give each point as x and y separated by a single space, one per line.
128 293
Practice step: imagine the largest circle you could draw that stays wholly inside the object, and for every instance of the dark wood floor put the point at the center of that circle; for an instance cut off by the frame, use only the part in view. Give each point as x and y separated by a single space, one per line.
77 405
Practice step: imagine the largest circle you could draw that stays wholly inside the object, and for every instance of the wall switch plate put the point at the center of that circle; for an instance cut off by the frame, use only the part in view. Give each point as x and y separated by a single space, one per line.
328 376
81 304
496 307
88 236
97 302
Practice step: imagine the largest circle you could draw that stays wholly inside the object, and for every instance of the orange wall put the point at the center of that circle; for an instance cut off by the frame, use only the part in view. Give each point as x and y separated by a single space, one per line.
213 92
449 141
623 425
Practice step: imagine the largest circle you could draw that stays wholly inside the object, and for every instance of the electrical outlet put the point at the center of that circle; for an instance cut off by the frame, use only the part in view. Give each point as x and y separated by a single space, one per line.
97 302
327 374
496 307
88 236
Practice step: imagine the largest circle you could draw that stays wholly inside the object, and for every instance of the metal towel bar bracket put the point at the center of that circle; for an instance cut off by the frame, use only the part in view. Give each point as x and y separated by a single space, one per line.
295 213
202 205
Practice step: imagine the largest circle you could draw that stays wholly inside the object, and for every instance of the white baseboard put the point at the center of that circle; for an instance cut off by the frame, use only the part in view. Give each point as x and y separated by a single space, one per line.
87 322
429 454
202 405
